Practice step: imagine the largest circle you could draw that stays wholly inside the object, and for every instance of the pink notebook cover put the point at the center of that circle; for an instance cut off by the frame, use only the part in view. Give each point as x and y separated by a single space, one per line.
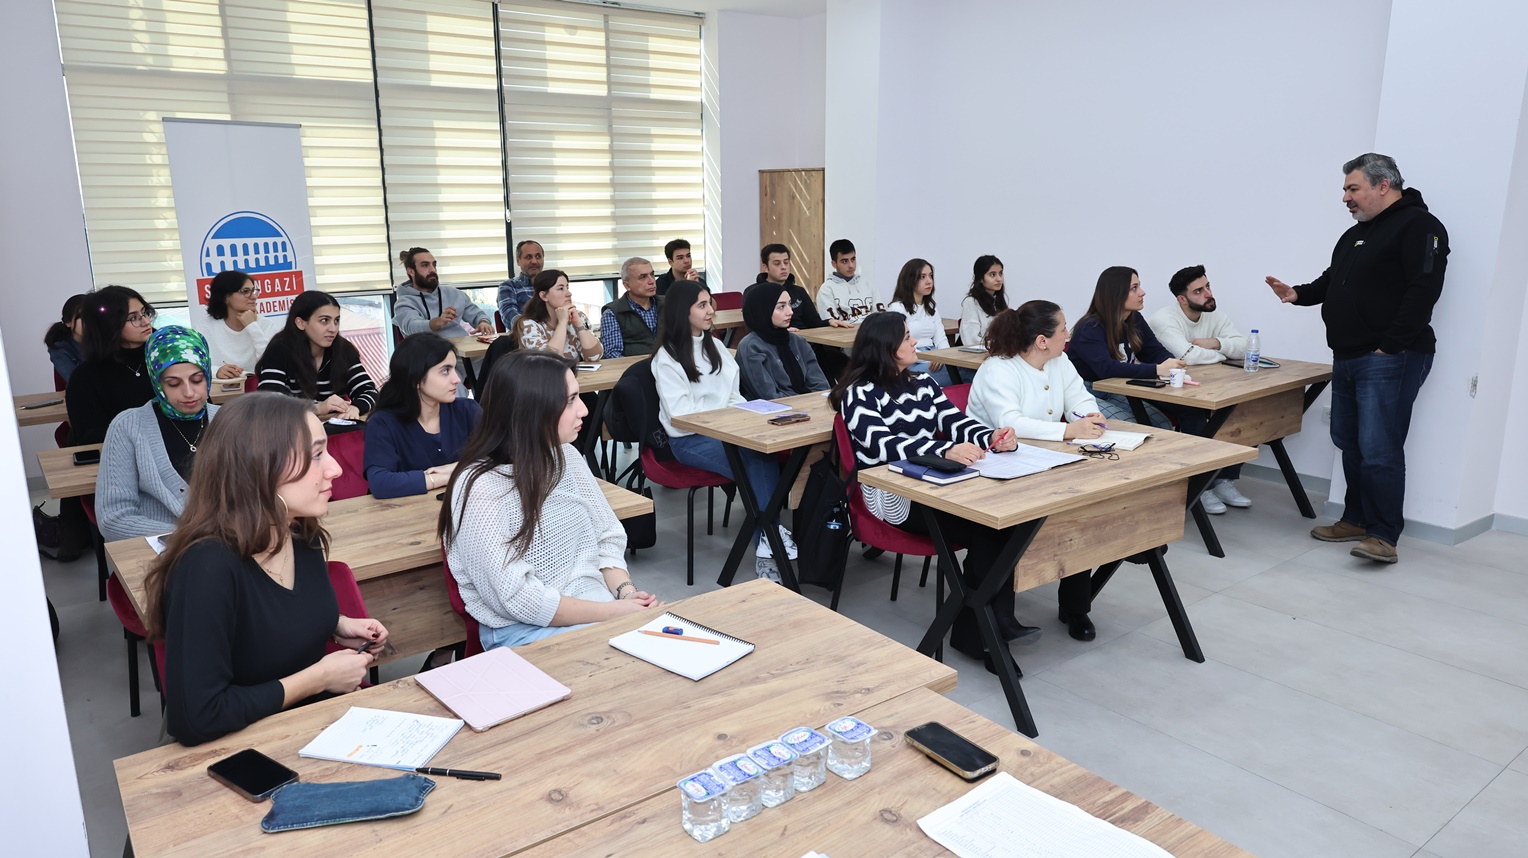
492 687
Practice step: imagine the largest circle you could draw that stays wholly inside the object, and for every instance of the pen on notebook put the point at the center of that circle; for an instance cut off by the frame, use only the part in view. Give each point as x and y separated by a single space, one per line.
678 637
1084 417
463 774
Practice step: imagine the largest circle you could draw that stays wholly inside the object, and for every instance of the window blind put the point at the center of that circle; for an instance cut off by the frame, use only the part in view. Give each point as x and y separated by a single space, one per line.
438 89
129 64
602 128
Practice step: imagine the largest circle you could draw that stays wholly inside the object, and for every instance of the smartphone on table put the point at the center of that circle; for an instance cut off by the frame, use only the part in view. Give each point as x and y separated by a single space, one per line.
787 419
951 750
1147 382
87 457
251 774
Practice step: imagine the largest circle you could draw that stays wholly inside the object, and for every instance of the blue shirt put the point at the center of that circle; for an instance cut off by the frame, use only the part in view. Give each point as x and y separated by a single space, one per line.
397 454
513 293
610 330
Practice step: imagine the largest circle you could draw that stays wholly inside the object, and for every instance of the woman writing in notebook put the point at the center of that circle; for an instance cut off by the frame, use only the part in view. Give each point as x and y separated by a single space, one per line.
241 595
893 412
415 436
531 541
1028 383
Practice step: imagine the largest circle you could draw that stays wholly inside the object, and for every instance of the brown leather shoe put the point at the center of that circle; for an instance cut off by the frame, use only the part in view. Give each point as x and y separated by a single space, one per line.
1375 549
1339 531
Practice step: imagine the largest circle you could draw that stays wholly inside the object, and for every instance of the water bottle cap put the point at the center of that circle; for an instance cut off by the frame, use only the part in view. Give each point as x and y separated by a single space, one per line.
1254 330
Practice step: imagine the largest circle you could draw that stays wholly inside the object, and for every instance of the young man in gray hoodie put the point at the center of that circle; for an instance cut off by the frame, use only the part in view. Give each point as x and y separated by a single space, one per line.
422 304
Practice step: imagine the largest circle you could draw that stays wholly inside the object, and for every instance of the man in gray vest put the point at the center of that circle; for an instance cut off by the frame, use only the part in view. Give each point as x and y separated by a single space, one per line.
629 324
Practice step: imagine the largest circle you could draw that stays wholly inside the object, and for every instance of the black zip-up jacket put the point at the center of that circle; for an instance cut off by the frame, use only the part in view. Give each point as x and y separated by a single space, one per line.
803 311
1386 275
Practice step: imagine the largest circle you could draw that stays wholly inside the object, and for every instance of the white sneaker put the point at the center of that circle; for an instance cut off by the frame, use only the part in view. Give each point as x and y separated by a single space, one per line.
762 550
790 544
1226 490
766 569
1211 503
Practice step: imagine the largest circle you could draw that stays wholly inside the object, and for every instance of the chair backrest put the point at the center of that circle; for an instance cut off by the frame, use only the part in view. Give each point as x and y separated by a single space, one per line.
637 411
498 321
727 300
397 336
347 593
58 381
349 449
959 395
499 348
251 383
122 606
61 434
454 592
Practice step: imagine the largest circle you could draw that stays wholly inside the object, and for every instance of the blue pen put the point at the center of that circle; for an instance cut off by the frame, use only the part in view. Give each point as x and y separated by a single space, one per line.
1084 417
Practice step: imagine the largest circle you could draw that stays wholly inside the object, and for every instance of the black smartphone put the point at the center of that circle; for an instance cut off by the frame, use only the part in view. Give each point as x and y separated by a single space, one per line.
1147 382
938 463
947 748
251 774
788 419
87 457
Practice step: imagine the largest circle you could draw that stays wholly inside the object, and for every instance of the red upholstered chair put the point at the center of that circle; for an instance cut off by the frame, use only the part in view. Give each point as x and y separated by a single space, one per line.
87 502
958 394
498 322
470 625
133 631
349 449
871 530
727 300
58 382
348 593
397 336
674 475
251 383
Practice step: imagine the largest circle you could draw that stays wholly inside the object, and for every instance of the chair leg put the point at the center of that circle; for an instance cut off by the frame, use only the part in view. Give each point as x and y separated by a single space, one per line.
373 676
102 572
730 492
132 672
923 582
896 577
710 511
689 542
872 553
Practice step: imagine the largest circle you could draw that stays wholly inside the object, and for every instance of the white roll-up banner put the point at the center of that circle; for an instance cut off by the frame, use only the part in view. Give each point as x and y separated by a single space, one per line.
241 200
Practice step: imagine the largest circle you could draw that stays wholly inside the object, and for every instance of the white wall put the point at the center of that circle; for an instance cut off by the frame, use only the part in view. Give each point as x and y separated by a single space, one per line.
853 107
771 113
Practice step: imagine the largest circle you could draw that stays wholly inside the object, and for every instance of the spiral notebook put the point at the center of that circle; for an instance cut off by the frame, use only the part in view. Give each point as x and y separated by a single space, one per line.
687 658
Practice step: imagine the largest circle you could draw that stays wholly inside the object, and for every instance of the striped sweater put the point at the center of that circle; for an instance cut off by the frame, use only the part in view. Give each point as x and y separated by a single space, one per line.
278 375
890 425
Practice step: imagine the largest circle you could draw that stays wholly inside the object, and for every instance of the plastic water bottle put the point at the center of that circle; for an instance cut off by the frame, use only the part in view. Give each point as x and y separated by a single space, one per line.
742 776
811 765
849 754
704 813
779 779
1254 352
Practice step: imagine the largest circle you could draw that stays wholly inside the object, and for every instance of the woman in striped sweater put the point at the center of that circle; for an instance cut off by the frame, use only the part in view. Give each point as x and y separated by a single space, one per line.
309 359
892 414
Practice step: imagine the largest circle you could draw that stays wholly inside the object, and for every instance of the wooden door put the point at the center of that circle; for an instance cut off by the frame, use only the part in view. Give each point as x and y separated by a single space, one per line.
790 213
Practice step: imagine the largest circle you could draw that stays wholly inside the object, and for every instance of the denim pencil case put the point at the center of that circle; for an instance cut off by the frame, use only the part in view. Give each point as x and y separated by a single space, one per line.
309 805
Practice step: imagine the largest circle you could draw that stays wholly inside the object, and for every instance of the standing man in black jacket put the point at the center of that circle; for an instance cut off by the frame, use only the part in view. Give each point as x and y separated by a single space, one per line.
1376 298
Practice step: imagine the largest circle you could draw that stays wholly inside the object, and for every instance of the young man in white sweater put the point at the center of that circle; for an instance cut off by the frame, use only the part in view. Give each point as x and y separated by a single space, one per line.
845 295
1192 330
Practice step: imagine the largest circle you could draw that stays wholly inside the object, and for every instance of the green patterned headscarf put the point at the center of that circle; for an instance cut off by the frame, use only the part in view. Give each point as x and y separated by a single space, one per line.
171 345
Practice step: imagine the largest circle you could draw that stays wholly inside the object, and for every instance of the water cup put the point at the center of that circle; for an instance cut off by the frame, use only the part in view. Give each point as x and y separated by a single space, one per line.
1175 377
849 752
703 813
810 767
777 783
744 782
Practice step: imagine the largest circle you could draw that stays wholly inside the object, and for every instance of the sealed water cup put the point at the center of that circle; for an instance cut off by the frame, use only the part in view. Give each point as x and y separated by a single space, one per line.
849 751
703 810
811 748
777 783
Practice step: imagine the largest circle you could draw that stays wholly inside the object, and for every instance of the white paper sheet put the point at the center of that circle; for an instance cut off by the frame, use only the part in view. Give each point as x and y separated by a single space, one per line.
1022 462
762 406
1005 817
378 737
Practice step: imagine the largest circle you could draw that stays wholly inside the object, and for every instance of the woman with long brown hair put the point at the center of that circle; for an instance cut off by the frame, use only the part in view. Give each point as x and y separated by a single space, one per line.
531 541
914 298
550 321
241 595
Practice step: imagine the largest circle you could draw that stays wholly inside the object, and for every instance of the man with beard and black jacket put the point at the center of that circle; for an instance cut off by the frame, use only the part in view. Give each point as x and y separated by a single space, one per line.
1376 298
422 305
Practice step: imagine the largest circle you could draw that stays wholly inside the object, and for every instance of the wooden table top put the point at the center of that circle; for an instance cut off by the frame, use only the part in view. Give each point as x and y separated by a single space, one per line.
1221 386
954 356
470 347
375 537
878 812
843 338
58 413
65 479
725 319
746 429
1165 458
629 731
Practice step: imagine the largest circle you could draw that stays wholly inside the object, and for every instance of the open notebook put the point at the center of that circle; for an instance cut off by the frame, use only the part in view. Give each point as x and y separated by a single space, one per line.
492 687
686 658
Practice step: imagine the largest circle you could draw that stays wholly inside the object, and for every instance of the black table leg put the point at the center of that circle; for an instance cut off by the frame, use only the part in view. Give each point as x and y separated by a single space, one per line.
753 516
980 600
954 373
1291 477
1174 606
1138 408
596 421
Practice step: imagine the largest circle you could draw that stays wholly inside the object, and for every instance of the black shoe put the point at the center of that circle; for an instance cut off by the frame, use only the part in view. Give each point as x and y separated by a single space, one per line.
1016 632
986 659
1078 625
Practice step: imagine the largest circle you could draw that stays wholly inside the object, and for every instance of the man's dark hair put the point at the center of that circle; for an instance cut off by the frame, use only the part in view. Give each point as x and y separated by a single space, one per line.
673 247
519 245
840 247
1179 284
1377 168
770 250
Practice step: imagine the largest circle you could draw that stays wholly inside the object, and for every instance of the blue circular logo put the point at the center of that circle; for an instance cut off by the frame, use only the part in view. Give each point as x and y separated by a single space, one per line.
247 241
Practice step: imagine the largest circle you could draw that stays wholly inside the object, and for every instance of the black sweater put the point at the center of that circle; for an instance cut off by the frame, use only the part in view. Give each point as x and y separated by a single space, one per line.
100 390
1385 276
1089 351
804 313
232 633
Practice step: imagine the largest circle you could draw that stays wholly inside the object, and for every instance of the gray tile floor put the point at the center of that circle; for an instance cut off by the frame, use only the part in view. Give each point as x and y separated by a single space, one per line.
1345 709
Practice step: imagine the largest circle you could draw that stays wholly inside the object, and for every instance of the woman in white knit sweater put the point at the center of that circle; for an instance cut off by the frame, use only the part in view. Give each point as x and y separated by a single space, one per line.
1028 383
530 539
914 298
693 374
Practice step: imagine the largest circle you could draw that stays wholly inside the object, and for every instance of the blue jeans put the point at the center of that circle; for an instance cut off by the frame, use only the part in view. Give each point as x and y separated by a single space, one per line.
941 378
699 451
1372 397
515 634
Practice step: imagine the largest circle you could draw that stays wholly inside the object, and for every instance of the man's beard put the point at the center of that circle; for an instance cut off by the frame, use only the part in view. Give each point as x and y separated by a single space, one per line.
1208 307
428 284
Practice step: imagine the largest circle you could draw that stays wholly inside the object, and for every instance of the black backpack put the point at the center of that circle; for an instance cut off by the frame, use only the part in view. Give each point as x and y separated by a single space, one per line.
822 526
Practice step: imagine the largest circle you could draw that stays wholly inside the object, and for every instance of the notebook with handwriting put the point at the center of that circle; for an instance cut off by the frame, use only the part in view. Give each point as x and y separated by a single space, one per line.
492 687
691 659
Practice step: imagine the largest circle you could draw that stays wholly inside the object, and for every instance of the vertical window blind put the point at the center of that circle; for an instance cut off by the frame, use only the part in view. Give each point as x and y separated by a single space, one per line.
128 65
602 128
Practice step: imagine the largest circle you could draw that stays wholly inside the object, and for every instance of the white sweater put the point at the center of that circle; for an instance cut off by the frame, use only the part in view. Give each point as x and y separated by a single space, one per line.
852 296
578 535
927 328
973 322
1176 331
1037 403
240 348
678 396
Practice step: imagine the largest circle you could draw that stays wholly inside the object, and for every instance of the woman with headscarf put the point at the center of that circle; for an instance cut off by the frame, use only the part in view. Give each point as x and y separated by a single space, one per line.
772 361
146 460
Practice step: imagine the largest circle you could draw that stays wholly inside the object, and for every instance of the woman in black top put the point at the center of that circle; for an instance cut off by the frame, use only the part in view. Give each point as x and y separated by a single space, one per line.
112 377
241 596
310 359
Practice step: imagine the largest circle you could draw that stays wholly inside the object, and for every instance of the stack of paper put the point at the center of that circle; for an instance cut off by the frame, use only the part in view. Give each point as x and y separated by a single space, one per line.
1022 462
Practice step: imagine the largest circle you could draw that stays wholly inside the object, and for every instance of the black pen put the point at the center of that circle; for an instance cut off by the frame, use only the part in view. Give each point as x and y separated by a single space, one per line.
464 774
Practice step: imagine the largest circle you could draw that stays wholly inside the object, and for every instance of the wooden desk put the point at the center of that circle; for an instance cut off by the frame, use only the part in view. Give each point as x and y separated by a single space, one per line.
878 812
725 319
394 553
41 416
1250 408
470 347
843 338
622 737
225 391
65 479
1066 520
737 429
957 359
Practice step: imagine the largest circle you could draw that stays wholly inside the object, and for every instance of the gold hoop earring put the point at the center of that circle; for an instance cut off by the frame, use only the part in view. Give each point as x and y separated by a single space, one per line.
285 510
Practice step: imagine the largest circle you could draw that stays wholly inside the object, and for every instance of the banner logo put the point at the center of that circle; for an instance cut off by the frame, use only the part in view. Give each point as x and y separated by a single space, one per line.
257 245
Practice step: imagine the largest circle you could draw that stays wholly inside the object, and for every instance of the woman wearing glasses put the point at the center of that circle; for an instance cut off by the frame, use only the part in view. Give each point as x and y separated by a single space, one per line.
1028 382
236 335
113 376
